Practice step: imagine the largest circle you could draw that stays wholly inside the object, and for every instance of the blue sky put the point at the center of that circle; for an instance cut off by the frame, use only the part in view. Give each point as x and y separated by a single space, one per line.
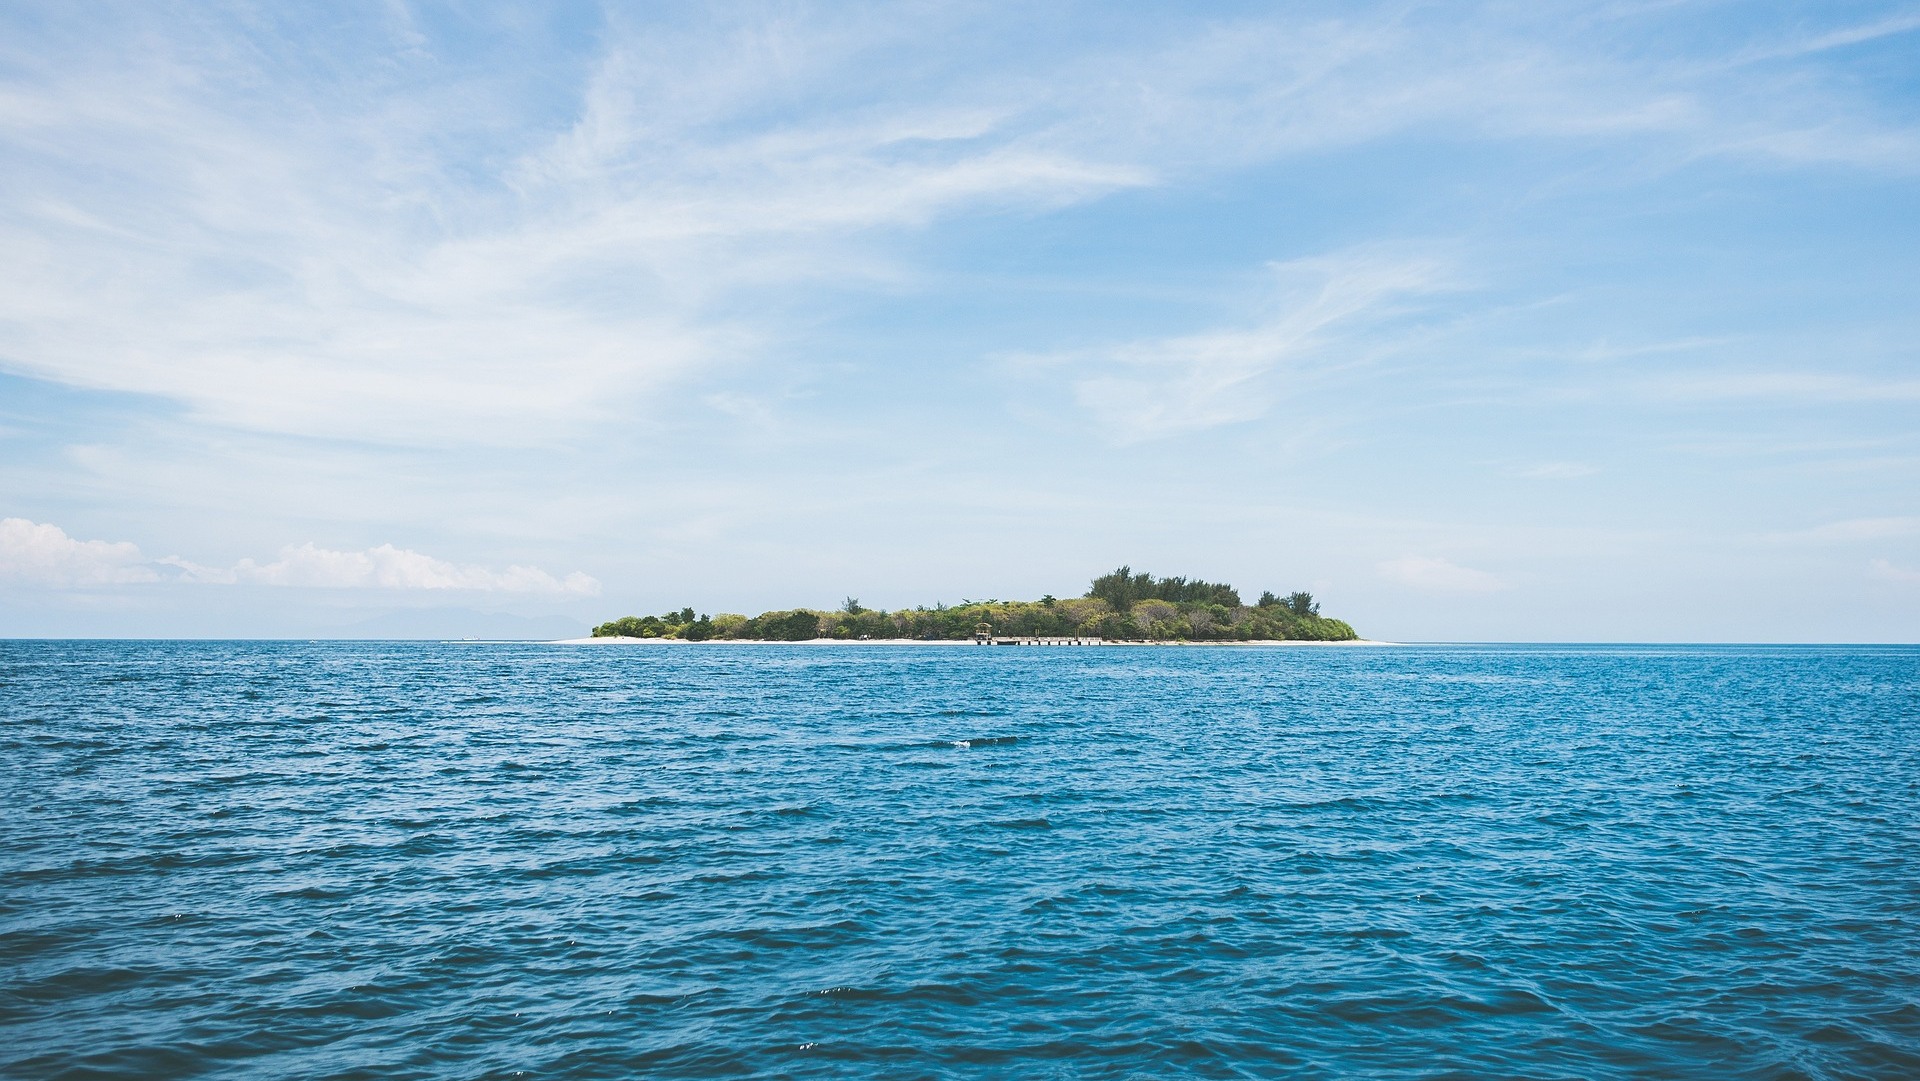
1529 321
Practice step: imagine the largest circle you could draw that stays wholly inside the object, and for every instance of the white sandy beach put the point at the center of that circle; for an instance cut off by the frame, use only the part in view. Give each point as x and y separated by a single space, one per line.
618 641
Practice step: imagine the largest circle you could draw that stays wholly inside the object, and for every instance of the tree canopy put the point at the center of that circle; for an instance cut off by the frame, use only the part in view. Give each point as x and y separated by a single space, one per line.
1123 589
1121 605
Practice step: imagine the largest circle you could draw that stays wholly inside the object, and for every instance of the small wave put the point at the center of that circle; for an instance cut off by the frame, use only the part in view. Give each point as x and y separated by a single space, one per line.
1360 803
852 994
982 741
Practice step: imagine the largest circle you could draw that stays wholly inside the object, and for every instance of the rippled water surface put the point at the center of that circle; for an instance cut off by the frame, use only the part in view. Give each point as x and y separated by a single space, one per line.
295 860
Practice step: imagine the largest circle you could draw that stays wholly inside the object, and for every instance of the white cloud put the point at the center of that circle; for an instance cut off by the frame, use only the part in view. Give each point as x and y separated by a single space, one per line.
1432 575
1557 471
1904 23
1788 387
36 553
1882 569
204 218
1856 529
337 270
41 554
1159 387
388 567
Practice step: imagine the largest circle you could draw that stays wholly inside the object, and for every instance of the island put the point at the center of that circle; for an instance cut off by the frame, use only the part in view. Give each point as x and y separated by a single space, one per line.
1121 606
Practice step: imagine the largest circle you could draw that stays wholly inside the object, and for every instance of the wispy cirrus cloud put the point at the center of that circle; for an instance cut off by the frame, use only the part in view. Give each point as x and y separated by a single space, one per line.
1850 530
1158 387
1821 41
413 250
361 278
42 554
1556 471
1784 386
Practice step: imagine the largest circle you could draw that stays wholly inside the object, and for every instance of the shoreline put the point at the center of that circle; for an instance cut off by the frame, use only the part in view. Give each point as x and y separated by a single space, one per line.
619 641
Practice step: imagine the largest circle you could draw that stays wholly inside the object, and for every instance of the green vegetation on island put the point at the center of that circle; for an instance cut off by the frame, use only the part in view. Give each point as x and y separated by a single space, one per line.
1120 606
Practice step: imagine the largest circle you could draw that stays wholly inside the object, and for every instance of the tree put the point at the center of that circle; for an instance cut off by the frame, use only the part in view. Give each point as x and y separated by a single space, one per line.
852 607
1155 617
624 627
1122 588
796 626
1267 599
1301 604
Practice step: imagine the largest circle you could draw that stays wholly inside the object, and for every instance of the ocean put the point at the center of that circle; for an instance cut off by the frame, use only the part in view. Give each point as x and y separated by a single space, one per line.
423 860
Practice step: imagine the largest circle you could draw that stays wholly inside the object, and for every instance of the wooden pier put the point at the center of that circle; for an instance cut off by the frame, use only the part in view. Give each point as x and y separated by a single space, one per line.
983 636
996 640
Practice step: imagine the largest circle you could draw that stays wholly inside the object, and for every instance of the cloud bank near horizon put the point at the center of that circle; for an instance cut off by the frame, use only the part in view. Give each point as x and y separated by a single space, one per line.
44 555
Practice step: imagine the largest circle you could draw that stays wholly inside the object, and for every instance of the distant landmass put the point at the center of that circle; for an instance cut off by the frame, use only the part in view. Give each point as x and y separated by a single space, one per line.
1120 606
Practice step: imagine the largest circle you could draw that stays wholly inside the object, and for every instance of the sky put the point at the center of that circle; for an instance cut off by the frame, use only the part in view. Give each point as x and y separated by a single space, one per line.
1516 321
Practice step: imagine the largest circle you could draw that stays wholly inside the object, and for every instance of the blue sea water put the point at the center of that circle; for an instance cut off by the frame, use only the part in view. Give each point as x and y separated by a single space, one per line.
417 860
